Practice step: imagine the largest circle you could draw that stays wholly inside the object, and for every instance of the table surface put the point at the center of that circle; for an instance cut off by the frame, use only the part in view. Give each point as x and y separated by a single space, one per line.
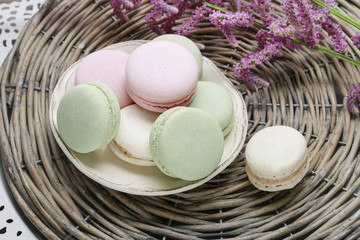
13 16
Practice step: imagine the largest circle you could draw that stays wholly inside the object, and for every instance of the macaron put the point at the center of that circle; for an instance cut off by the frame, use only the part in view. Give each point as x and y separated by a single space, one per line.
186 143
161 75
131 142
88 117
276 158
186 43
107 67
215 100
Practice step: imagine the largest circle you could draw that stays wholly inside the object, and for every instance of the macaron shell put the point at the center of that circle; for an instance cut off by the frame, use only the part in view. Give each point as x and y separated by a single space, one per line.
161 73
186 143
87 118
186 43
216 101
108 67
131 143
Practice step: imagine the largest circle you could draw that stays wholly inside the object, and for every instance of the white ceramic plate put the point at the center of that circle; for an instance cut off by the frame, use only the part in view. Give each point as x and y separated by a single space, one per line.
105 168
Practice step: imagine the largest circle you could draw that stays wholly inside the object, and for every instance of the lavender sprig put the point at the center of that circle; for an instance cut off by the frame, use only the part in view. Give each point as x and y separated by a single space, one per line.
243 69
352 97
166 11
119 5
224 21
198 15
337 13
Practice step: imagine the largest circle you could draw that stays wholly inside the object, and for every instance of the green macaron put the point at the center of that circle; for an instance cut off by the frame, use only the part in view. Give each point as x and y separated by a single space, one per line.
88 117
186 143
215 100
186 43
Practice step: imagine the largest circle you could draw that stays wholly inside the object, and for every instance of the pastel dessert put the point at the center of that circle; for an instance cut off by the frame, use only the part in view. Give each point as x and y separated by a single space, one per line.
131 142
186 43
161 75
216 101
276 158
186 143
107 67
88 117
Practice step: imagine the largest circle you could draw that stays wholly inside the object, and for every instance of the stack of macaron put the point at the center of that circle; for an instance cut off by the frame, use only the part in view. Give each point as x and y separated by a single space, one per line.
169 117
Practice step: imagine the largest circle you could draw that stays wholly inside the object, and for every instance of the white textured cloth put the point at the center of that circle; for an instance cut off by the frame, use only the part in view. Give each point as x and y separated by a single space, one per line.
13 17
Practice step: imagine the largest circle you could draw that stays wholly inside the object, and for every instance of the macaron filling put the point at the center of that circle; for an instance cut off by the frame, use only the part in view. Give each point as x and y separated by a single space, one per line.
126 155
162 106
278 180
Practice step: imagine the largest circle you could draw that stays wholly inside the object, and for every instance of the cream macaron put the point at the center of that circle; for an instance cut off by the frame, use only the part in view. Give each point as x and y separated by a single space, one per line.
131 142
276 158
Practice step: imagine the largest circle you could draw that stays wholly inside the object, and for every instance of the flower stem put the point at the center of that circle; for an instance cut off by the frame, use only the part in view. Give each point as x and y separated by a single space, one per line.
337 13
328 51
215 7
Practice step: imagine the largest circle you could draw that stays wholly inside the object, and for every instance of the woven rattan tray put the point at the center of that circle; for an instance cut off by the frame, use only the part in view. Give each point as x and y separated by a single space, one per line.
305 92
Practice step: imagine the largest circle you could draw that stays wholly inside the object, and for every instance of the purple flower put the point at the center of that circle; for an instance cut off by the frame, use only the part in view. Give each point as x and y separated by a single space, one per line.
170 19
308 22
264 9
164 7
252 80
330 2
262 56
240 6
242 70
166 13
352 97
334 31
119 5
223 21
356 39
221 3
310 30
151 19
246 76
281 27
197 16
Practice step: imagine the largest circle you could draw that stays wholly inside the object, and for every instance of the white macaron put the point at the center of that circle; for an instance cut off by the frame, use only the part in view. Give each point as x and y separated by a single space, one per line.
276 158
131 142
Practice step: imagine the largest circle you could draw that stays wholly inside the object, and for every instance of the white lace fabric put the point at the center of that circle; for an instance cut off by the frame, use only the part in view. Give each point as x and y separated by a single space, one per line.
13 16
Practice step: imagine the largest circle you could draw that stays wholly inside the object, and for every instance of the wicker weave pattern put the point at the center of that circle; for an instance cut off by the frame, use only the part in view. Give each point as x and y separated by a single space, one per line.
64 204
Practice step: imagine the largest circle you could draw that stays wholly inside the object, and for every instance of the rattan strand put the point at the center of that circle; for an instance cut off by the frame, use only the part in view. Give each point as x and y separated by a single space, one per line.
306 92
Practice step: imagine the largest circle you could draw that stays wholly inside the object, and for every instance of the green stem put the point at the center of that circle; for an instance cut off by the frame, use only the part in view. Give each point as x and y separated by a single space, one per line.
337 13
320 48
215 7
328 51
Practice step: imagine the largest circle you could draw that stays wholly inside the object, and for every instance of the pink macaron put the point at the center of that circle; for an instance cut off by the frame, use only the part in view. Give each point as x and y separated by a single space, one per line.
107 67
161 75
